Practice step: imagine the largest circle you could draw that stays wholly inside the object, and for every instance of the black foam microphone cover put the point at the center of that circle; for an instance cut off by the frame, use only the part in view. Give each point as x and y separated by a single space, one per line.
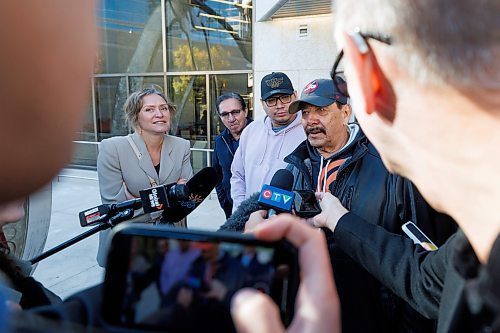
236 222
199 186
282 179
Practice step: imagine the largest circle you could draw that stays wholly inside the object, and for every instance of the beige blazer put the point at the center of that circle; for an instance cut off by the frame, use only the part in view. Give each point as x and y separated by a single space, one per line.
119 170
118 166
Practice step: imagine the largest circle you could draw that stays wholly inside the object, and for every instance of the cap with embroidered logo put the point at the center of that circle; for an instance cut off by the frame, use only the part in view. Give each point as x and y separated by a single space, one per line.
275 83
320 92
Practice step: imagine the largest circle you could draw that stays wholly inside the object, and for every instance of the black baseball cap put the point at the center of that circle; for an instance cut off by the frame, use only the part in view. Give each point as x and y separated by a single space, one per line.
275 83
320 92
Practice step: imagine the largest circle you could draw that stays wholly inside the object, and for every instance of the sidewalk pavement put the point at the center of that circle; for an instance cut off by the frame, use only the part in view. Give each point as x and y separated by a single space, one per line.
75 268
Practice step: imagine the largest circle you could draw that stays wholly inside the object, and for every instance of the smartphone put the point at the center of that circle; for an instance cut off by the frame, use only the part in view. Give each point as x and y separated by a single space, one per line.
305 204
418 237
160 278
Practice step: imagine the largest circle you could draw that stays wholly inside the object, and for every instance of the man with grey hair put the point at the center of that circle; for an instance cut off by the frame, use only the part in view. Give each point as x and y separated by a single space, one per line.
398 54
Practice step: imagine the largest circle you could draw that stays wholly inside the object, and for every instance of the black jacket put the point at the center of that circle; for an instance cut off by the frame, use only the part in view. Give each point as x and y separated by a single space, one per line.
222 157
448 284
366 188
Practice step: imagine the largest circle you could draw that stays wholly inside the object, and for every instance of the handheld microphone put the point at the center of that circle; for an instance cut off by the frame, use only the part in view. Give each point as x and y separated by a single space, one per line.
200 186
278 197
97 214
161 197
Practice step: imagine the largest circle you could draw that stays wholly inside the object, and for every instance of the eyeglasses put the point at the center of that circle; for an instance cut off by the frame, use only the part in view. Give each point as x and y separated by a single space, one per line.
360 39
273 101
234 113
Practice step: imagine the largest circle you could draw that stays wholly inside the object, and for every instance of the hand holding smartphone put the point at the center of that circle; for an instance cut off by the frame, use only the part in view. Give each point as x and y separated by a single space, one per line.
161 278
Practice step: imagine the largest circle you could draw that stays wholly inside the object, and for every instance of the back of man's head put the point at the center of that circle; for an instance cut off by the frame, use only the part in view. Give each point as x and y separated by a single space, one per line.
424 80
452 41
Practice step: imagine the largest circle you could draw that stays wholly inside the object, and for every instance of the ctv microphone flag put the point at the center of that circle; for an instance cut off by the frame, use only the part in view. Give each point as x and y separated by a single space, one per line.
278 196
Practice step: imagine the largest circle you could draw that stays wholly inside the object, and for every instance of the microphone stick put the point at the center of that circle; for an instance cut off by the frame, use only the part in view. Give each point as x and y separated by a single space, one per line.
201 184
120 217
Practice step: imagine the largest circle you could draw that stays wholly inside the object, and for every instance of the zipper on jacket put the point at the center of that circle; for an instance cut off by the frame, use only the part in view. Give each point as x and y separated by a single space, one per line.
227 145
342 173
349 197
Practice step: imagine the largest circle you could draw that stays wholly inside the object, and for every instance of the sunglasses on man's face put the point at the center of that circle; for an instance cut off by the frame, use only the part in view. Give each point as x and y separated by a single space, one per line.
360 38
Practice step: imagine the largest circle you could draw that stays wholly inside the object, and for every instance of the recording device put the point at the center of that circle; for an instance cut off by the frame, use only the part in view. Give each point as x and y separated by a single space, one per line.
418 237
305 203
278 197
95 215
177 280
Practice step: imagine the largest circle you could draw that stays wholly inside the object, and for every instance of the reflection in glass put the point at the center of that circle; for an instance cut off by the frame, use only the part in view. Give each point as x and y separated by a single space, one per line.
85 154
208 35
188 93
201 35
239 83
110 98
199 158
137 83
130 36
87 131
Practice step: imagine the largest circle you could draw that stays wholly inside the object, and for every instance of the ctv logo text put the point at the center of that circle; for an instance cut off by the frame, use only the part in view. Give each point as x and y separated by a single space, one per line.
276 197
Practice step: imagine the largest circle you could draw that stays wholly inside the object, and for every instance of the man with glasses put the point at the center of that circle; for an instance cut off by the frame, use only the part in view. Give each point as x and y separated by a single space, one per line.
337 158
233 112
265 143
442 53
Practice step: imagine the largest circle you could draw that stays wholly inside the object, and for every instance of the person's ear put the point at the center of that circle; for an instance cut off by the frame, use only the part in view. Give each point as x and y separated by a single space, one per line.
346 111
374 87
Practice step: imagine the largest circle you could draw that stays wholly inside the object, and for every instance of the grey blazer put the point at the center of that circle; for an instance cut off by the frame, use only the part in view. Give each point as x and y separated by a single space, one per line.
117 164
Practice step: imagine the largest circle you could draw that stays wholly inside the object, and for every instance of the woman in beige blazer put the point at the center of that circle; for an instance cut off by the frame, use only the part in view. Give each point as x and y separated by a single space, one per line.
147 158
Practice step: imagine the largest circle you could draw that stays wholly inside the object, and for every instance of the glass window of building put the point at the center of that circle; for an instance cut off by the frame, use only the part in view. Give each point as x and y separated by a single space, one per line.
191 50
208 35
131 36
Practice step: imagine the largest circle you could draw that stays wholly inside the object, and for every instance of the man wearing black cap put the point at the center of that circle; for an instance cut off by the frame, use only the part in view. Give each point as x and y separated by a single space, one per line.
338 158
264 143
